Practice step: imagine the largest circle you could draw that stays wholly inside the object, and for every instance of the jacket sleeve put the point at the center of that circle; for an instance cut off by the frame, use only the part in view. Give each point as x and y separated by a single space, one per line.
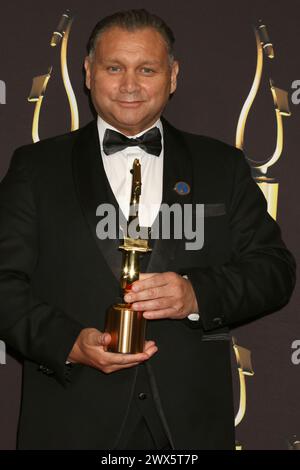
260 277
38 331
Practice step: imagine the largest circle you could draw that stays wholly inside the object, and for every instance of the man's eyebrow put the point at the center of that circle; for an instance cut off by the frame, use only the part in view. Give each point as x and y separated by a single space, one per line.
151 62
118 61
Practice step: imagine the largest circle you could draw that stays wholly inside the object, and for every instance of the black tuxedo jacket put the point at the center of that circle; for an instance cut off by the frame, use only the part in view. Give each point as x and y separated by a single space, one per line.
57 277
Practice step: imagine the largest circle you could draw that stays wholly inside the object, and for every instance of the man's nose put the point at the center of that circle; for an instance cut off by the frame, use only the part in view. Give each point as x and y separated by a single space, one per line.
129 83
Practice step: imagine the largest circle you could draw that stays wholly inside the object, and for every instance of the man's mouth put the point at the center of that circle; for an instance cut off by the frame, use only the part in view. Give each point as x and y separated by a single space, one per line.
130 104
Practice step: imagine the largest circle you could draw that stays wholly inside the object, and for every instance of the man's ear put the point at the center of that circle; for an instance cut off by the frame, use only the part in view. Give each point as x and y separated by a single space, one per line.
174 73
87 66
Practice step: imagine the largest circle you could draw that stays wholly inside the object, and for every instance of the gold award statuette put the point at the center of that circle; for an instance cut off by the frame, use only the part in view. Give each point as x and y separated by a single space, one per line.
126 326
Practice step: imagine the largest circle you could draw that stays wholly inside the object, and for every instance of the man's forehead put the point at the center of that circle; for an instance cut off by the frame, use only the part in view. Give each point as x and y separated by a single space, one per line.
139 31
120 41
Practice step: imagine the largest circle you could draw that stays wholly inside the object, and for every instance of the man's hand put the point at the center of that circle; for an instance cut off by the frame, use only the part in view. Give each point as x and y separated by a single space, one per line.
163 295
90 349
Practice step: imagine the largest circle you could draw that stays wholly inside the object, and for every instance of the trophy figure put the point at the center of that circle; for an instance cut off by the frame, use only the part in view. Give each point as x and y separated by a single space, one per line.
126 326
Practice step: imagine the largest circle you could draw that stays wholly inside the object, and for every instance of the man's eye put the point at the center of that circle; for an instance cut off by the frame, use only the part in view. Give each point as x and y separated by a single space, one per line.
147 70
114 68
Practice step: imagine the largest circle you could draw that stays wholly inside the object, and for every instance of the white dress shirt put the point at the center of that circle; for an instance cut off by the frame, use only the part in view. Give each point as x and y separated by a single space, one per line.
117 167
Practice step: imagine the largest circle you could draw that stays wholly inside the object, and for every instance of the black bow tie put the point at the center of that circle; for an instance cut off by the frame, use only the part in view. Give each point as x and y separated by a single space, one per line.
150 141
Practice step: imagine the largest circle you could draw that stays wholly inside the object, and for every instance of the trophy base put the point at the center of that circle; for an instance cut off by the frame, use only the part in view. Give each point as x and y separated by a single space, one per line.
127 328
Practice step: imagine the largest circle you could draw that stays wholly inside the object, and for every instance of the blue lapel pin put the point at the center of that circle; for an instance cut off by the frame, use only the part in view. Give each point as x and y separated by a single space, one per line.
182 188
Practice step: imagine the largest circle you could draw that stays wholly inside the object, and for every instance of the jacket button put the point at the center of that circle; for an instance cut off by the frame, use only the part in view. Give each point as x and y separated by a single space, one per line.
142 396
218 321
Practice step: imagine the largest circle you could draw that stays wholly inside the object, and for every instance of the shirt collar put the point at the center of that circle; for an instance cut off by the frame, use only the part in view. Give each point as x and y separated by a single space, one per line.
103 125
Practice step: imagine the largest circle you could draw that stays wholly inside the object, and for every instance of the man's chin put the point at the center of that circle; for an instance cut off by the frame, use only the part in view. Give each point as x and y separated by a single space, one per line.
134 123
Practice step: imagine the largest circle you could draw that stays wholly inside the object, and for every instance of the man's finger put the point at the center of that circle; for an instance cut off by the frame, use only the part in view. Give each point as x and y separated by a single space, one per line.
153 304
151 348
148 343
126 366
148 294
146 275
151 351
105 339
152 280
122 359
159 314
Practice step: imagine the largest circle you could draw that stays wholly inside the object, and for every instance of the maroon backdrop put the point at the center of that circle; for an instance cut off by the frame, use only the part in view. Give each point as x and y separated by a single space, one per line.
217 52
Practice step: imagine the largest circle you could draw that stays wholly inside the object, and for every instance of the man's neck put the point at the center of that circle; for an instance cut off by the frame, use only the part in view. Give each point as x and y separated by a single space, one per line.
129 133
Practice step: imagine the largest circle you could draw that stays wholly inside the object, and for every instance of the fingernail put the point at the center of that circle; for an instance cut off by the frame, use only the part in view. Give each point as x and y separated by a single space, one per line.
135 288
128 298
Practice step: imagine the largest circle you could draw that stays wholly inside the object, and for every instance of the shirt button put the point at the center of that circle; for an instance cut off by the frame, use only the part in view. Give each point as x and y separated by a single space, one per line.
142 396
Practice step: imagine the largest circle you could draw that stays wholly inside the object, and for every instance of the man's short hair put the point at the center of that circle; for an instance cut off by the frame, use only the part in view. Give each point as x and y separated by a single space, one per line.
132 20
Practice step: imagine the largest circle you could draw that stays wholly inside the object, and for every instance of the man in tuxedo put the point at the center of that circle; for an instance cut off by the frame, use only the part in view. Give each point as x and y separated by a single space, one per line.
57 276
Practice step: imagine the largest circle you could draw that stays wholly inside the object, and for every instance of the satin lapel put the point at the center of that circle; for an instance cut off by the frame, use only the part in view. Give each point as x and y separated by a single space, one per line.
177 167
91 185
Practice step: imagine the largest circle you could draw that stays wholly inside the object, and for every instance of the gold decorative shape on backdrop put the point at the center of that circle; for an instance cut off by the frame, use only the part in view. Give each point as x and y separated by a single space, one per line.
269 186
59 36
62 35
294 443
36 95
243 359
